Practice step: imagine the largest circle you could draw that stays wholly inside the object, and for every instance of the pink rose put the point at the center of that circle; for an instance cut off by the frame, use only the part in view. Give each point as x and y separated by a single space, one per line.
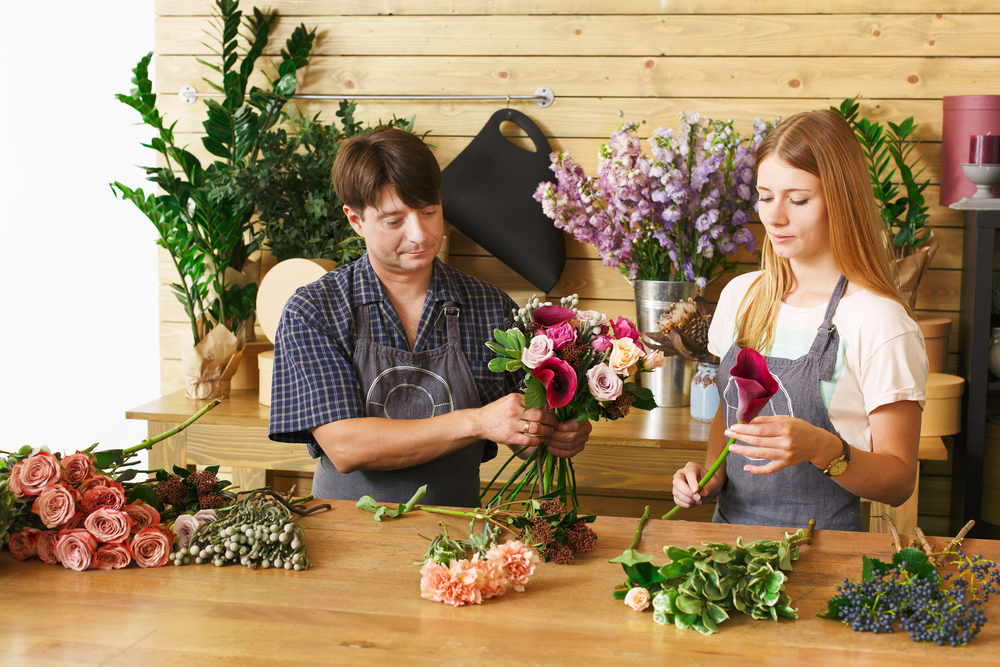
184 527
45 546
601 343
624 328
654 360
538 350
625 356
494 577
94 481
75 549
56 504
151 547
77 467
562 335
30 476
108 525
205 516
143 516
22 543
604 383
637 598
76 521
104 497
459 583
112 556
517 560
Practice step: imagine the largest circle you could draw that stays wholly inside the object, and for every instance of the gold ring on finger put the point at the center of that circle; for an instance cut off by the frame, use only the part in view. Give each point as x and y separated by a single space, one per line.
527 427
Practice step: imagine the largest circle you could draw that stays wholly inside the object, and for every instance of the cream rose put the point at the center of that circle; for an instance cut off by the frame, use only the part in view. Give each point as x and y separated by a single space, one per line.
76 468
604 383
539 349
637 598
625 354
655 360
107 525
30 476
151 548
112 557
55 505
75 549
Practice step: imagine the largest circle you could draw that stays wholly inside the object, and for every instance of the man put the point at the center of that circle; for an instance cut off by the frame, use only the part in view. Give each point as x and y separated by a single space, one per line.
381 365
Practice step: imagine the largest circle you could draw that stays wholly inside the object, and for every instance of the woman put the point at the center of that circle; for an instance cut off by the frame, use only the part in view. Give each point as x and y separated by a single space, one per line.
848 356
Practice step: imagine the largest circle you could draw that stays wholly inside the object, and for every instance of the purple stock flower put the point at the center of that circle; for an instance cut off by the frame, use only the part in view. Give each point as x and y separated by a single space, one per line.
754 383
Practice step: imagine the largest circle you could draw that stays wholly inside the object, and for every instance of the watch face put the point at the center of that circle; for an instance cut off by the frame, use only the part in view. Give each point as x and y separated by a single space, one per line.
837 467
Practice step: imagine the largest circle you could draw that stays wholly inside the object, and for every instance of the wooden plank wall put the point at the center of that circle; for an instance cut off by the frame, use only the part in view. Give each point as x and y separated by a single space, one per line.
649 58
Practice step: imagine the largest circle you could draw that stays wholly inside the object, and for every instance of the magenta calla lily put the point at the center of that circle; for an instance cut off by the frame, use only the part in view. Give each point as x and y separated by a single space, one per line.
550 316
754 382
559 380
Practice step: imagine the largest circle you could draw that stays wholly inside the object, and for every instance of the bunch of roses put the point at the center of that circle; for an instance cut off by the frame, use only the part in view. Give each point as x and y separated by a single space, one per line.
582 356
87 523
462 581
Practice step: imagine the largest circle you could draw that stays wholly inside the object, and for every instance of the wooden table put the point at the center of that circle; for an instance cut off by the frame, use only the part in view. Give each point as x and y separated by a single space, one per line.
626 465
361 604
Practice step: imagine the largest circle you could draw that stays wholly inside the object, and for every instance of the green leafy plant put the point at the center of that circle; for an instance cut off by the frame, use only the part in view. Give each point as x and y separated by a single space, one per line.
289 186
203 226
700 585
891 161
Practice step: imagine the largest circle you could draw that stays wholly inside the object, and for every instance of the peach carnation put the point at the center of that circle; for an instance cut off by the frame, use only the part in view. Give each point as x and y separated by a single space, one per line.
459 583
517 560
494 577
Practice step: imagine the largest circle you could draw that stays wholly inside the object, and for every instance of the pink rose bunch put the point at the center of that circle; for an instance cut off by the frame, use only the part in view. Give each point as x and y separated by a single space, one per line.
88 522
470 581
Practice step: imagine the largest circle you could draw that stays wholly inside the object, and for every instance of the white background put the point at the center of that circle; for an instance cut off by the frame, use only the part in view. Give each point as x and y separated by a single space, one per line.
78 286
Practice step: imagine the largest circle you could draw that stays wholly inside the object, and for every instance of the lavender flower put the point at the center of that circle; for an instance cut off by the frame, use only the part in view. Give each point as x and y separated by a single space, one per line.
678 213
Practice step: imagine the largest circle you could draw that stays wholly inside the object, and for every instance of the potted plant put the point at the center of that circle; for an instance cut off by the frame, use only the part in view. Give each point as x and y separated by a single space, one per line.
891 160
201 223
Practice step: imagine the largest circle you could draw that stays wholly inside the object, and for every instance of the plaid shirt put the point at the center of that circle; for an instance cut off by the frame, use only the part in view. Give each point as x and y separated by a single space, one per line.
314 381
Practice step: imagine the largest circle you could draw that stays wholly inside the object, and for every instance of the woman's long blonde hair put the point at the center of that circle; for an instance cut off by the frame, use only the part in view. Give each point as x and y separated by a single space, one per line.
822 144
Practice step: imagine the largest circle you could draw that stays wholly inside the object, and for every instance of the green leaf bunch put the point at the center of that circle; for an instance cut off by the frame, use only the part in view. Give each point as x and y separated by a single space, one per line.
368 504
700 586
201 222
891 162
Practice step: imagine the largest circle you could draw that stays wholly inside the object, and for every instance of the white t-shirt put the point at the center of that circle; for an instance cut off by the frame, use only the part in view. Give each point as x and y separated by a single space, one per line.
880 359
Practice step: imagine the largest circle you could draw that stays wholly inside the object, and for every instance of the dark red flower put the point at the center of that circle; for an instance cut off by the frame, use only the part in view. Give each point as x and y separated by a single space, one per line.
550 316
559 380
755 383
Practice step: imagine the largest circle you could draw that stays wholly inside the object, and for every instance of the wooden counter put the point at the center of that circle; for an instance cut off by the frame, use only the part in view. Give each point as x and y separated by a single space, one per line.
626 465
360 604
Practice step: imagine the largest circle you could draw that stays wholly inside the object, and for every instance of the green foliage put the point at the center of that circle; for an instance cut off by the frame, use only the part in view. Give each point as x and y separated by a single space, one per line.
200 222
891 160
368 504
700 585
289 186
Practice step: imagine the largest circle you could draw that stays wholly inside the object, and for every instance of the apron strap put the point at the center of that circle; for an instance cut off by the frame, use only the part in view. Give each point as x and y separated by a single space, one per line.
450 312
827 333
364 321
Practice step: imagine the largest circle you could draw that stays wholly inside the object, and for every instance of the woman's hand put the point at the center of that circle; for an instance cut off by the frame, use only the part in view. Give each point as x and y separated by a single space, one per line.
786 441
685 486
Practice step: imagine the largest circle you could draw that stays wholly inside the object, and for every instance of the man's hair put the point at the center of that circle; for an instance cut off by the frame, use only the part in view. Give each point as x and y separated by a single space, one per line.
366 164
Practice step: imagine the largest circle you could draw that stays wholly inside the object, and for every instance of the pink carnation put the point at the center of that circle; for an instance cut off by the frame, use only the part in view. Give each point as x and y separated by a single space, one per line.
45 546
143 515
30 476
112 556
75 549
107 525
55 505
517 560
77 467
494 577
459 583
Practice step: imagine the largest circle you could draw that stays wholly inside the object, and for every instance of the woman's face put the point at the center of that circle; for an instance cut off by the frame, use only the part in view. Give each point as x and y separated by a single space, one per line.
793 210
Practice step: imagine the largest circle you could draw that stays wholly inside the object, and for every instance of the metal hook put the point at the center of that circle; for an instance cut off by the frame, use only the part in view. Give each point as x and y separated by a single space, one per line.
508 101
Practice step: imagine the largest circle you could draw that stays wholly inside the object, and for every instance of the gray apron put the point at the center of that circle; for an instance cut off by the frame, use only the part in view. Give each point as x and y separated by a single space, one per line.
793 495
399 384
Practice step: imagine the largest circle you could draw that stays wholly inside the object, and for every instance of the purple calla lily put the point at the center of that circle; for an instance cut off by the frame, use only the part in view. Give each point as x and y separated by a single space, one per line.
559 380
754 382
550 316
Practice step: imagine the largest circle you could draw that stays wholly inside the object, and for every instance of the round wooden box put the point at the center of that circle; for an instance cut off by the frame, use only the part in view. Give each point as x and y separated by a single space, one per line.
943 412
936 331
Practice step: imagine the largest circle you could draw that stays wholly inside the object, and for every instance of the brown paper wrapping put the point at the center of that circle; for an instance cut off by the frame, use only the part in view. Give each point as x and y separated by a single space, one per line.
210 365
913 267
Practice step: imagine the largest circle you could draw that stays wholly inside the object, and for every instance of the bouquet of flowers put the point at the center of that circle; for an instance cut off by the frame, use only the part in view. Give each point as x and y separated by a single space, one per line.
677 214
580 363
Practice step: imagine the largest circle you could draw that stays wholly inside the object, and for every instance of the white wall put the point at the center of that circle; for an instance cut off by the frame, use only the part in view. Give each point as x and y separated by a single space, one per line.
78 285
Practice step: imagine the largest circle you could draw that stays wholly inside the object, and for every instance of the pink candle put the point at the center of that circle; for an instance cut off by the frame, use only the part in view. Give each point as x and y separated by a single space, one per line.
984 149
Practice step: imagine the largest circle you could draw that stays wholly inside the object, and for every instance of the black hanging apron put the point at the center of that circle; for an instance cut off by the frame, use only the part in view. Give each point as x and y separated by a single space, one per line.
399 384
794 495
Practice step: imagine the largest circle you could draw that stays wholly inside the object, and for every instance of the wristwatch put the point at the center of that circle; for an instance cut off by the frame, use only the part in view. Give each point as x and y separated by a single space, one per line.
839 464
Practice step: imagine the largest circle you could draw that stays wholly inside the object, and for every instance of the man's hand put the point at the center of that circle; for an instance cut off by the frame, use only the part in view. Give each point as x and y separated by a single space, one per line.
569 438
505 421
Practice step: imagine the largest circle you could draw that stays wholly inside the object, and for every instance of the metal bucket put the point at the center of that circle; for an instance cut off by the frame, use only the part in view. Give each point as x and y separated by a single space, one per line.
671 385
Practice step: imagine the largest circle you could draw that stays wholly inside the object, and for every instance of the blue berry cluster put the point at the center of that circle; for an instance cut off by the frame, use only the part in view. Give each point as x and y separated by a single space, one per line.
911 593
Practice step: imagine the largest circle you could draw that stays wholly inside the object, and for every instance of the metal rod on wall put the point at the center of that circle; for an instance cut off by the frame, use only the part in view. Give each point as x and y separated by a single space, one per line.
543 97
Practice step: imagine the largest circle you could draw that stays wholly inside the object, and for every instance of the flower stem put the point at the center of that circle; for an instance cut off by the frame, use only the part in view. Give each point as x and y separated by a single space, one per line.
146 444
708 475
638 529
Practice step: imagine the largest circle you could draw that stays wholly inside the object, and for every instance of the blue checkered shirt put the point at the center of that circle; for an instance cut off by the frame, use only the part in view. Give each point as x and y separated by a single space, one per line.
314 382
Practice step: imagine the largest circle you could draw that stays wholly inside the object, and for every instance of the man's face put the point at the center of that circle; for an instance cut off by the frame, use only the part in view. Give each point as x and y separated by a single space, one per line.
399 239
